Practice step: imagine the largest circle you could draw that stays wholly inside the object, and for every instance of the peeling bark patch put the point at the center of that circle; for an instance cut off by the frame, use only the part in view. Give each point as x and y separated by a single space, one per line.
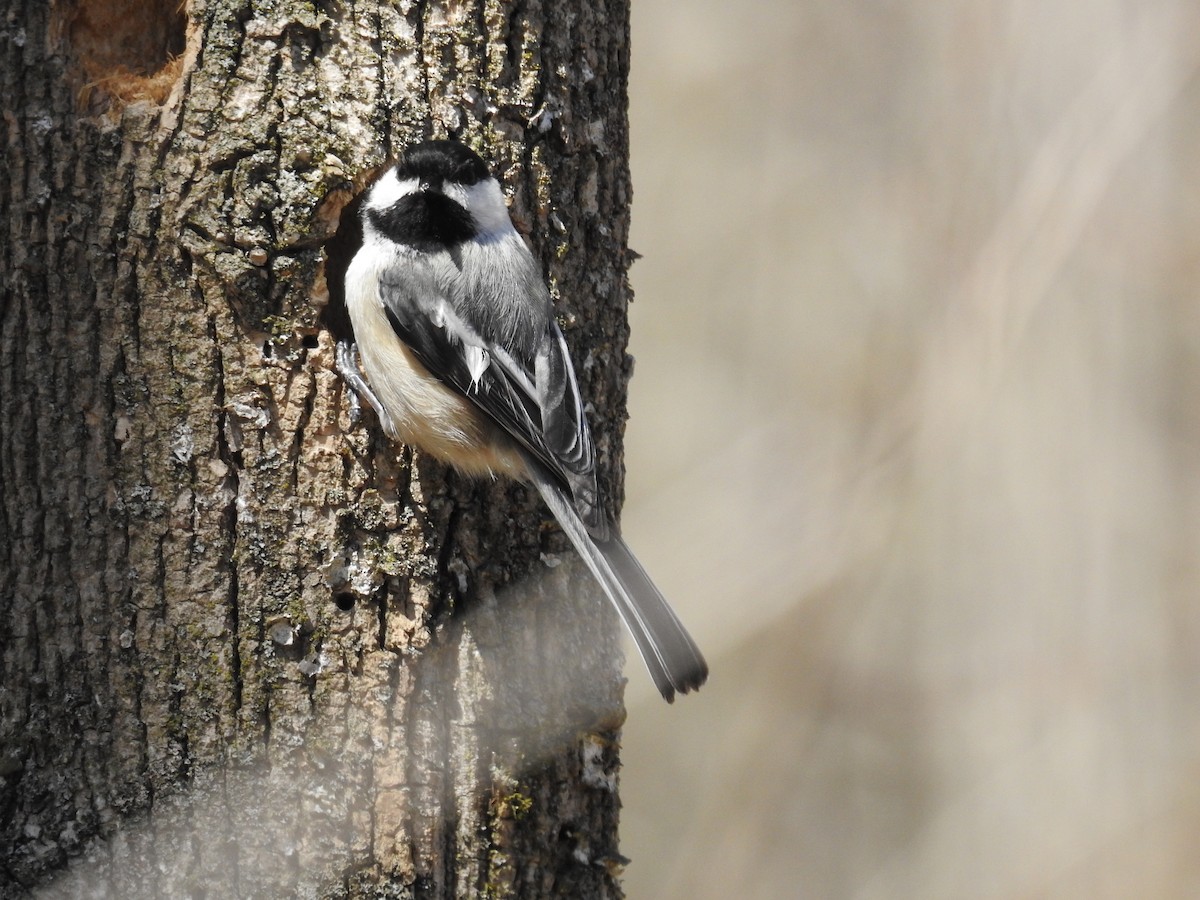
127 49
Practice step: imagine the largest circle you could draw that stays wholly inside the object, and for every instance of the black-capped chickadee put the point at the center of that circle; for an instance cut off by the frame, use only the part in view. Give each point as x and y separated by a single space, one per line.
463 359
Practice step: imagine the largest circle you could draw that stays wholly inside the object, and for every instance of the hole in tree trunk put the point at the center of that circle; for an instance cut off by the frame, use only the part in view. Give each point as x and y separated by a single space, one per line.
127 49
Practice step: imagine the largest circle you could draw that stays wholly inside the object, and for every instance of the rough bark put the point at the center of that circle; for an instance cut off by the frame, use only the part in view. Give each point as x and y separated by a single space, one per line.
245 649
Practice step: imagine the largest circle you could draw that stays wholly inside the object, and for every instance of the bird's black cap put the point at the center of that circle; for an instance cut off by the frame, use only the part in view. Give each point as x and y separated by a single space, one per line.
442 161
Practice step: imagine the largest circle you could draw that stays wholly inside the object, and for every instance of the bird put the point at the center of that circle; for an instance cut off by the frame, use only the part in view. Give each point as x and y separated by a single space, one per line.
454 344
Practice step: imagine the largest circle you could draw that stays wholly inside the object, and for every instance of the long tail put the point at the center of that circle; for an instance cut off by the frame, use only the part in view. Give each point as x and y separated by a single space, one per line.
674 660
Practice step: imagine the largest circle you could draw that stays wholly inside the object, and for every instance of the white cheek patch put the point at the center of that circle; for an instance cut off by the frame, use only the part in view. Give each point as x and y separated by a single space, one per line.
388 190
485 200
457 193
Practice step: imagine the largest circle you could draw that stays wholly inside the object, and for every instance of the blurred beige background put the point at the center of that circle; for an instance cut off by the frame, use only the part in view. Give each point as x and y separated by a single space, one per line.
914 448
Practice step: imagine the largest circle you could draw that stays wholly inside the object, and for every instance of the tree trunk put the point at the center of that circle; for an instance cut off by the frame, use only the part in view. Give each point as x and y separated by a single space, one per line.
245 648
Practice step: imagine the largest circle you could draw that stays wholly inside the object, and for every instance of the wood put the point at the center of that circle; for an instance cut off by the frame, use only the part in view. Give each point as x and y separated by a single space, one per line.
245 649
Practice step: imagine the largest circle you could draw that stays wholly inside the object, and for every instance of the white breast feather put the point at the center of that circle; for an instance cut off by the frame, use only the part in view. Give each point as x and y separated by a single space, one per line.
424 413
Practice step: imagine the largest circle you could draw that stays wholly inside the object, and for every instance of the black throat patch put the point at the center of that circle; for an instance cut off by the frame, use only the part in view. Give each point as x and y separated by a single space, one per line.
426 220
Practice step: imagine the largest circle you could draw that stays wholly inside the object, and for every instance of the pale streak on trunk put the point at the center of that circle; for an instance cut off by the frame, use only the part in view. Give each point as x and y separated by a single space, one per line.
184 708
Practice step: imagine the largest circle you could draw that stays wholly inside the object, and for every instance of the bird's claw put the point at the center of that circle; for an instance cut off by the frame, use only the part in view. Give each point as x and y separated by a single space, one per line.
351 371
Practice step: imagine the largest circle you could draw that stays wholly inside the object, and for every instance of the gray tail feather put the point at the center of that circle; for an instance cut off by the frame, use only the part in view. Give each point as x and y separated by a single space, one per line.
674 660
